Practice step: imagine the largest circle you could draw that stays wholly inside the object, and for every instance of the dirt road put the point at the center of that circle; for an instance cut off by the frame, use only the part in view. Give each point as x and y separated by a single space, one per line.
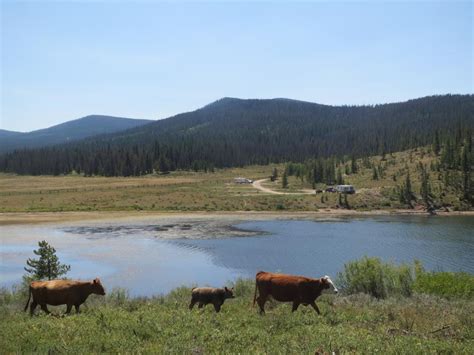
258 185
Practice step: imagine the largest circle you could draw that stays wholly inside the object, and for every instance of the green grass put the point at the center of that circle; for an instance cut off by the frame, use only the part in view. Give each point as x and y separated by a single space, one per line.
348 324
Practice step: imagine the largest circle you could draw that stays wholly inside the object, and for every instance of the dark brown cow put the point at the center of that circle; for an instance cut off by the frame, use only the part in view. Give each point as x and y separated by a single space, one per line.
289 288
205 295
58 292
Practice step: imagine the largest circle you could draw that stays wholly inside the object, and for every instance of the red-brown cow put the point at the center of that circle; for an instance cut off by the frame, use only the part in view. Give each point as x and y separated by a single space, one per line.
58 292
289 288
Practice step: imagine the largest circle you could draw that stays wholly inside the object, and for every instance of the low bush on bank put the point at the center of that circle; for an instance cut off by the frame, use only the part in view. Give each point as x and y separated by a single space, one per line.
444 284
382 280
375 278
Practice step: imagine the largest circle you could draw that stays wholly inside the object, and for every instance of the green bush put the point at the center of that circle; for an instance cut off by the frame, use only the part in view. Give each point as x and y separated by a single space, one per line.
444 284
378 279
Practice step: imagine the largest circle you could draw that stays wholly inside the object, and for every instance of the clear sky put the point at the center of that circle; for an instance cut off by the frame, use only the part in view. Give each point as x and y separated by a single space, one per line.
64 60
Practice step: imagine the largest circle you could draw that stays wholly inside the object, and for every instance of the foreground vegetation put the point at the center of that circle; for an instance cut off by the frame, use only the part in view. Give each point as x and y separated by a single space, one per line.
198 191
360 323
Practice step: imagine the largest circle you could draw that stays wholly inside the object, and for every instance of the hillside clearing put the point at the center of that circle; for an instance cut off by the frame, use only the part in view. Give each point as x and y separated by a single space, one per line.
211 192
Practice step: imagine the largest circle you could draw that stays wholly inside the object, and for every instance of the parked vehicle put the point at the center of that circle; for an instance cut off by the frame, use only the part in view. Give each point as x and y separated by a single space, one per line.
330 189
241 180
345 189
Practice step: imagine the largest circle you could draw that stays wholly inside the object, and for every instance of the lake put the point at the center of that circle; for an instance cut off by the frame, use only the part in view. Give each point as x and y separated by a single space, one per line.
153 256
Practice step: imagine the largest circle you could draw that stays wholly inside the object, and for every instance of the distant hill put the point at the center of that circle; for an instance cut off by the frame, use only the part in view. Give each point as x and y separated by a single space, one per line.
237 132
4 133
66 132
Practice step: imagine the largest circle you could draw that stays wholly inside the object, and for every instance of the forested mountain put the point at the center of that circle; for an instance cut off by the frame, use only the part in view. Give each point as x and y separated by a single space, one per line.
69 131
4 133
235 132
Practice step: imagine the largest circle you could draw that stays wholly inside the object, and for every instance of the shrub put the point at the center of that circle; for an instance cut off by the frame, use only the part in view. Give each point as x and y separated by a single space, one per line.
444 284
378 279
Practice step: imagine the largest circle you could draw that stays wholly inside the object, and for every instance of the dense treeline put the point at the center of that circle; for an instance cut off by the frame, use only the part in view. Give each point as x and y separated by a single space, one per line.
232 132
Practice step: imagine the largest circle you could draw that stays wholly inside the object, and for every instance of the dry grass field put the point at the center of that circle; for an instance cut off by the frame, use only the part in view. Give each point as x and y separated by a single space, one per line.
198 191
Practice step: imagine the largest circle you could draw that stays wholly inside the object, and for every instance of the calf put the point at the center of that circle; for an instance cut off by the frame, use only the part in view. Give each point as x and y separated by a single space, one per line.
58 292
289 288
205 295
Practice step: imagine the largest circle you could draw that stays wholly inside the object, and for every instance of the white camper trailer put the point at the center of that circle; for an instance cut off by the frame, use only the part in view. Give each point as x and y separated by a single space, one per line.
345 189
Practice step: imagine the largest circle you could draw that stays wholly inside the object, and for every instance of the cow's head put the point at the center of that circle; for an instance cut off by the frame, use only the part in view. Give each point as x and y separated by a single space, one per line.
229 292
328 285
97 287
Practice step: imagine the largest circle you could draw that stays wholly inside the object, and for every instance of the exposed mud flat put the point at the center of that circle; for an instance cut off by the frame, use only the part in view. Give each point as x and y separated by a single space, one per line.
188 229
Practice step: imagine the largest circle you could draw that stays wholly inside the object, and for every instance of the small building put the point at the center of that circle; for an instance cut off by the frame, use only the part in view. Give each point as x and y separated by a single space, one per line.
345 189
242 180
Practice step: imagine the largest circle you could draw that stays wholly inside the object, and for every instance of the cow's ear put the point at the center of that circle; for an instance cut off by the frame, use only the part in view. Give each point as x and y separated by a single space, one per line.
225 288
96 280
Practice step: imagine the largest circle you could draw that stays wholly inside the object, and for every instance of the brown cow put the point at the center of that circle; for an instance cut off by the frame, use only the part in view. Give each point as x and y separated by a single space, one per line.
57 292
206 295
289 288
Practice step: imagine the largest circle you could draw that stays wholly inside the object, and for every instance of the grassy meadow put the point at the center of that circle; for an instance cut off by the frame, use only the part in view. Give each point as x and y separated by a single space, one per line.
348 324
198 191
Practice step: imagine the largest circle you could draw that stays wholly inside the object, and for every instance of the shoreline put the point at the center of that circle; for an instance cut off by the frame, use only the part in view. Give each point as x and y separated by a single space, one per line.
19 218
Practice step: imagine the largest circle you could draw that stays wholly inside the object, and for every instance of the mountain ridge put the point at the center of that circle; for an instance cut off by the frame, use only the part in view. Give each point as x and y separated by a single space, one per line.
73 130
238 132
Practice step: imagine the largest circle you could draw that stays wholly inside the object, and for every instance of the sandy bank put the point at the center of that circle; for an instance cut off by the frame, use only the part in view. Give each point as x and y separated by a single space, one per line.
59 217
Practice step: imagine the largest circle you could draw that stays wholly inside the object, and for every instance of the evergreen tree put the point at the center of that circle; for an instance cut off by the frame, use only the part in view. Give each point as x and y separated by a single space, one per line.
425 189
274 174
284 180
436 144
47 266
407 191
347 169
466 174
339 179
353 165
375 175
346 202
163 164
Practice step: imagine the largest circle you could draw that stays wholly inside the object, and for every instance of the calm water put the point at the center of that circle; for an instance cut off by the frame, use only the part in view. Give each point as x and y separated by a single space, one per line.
151 258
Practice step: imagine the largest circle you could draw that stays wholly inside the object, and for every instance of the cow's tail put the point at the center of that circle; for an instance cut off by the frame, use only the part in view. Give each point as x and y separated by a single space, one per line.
255 293
29 296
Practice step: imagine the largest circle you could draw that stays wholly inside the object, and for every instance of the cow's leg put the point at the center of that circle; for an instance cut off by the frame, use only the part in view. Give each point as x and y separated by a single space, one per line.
261 303
77 307
33 307
200 305
217 307
68 309
314 305
193 302
295 306
44 308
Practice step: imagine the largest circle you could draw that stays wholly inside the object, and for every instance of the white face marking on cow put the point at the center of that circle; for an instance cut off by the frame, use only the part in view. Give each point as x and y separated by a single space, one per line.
332 287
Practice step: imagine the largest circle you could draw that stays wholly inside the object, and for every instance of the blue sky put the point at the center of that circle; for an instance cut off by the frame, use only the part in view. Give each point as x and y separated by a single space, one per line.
64 60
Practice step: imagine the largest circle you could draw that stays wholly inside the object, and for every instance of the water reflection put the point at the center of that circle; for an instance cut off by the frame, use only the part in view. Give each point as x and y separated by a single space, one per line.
152 258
